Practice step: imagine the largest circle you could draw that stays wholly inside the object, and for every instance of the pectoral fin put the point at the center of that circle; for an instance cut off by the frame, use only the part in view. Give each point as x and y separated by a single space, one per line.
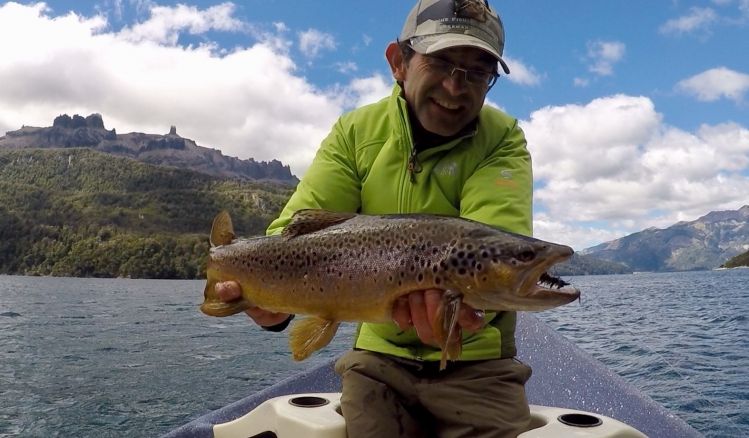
446 329
309 335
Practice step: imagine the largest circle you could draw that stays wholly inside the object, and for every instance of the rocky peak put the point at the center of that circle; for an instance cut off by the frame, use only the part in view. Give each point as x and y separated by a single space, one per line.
165 150
94 121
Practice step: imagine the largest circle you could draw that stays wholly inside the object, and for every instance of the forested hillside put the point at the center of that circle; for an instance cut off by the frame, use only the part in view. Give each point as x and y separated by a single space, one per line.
79 212
739 260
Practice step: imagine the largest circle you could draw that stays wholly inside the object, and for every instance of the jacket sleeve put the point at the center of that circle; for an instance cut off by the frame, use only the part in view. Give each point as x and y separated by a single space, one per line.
500 191
331 182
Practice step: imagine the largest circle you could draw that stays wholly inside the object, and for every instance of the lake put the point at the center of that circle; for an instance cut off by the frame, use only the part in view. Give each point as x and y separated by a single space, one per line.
119 357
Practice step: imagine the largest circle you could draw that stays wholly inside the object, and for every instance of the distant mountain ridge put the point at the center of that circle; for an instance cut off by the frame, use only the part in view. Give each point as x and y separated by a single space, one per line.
705 243
165 150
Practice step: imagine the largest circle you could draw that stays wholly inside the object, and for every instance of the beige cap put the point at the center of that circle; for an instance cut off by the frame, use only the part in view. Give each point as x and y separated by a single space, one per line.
434 25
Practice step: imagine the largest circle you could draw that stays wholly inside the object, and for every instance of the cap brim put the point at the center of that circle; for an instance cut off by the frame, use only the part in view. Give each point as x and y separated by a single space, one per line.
429 44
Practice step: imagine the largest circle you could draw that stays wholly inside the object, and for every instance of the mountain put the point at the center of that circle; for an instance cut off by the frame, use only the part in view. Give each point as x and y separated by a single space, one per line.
83 213
705 243
580 264
166 150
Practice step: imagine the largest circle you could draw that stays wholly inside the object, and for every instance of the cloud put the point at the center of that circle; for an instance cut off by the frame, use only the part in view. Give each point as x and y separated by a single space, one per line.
612 167
715 84
698 19
603 55
581 82
312 42
520 73
368 90
701 20
166 23
248 102
346 67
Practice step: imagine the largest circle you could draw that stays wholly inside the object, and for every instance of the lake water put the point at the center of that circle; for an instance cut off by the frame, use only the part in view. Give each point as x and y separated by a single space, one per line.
116 357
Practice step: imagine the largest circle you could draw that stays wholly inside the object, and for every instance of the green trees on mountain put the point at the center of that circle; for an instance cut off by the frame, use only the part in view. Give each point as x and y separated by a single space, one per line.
78 212
739 260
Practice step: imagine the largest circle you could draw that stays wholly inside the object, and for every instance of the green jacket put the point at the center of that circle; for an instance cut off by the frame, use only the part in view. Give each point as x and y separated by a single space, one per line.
363 166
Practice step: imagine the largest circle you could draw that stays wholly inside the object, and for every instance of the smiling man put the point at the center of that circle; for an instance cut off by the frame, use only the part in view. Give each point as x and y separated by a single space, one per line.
431 147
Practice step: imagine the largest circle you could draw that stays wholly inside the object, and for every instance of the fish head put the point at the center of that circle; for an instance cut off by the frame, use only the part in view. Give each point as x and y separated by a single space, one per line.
510 272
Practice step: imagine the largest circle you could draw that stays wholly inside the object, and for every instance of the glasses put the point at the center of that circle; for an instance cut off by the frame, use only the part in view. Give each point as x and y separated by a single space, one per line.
473 77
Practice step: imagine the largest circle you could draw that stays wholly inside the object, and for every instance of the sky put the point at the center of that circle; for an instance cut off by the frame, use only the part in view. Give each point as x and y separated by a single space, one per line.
636 111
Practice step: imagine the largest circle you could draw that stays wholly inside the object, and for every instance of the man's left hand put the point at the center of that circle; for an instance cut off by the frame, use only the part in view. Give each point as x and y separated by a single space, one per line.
418 309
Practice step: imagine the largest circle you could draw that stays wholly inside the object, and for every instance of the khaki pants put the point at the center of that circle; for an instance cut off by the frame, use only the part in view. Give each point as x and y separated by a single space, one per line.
388 397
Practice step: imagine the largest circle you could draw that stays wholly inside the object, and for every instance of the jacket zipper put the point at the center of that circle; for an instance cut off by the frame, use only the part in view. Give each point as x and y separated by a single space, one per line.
414 166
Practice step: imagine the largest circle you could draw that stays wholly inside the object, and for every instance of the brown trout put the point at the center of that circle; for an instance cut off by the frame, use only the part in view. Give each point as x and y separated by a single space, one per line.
336 267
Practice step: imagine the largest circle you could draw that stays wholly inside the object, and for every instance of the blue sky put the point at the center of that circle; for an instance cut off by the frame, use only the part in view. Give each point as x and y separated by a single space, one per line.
636 112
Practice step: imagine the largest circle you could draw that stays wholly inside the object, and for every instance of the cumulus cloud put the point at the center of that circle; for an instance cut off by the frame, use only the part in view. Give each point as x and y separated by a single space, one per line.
248 102
698 19
603 55
715 84
166 23
368 90
701 21
312 42
520 73
614 160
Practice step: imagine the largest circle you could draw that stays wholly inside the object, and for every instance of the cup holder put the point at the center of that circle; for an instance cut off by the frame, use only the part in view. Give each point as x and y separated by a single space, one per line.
308 402
580 420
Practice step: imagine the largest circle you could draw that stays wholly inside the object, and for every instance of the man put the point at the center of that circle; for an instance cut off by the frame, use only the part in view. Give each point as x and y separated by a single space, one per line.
431 147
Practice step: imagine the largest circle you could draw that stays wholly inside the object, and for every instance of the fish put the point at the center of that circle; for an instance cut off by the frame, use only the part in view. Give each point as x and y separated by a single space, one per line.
334 267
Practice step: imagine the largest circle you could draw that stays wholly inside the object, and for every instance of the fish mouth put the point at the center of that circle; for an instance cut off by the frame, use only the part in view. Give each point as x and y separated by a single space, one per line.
550 287
543 290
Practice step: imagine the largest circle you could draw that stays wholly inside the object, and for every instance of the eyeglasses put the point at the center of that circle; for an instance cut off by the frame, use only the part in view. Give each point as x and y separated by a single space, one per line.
473 77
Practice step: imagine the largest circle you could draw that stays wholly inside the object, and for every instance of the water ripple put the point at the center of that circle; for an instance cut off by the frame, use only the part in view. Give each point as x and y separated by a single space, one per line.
93 357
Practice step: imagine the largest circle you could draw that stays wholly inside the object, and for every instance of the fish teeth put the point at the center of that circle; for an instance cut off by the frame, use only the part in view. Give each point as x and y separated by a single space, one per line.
550 281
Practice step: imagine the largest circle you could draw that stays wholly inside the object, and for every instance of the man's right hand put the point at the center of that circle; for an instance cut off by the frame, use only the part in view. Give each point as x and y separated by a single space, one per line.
231 290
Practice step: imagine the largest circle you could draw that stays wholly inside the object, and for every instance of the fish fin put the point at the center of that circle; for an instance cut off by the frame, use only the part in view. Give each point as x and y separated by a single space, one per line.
222 231
213 306
311 334
311 220
446 329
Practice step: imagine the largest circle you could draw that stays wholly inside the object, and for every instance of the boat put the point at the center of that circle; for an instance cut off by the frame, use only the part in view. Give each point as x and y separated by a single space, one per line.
570 393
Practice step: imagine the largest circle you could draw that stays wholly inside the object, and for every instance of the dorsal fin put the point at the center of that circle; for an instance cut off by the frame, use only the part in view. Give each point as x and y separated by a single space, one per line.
222 231
311 220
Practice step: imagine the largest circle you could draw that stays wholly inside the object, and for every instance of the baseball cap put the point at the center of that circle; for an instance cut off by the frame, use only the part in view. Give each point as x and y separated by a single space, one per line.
434 25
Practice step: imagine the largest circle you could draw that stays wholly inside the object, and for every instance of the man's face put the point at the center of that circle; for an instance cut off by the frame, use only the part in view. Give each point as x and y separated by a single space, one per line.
445 104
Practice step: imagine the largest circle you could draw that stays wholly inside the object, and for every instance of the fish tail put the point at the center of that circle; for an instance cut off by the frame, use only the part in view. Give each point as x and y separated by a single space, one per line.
213 306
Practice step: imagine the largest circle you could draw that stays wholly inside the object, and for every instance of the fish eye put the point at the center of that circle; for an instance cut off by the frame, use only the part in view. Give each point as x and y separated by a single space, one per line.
526 256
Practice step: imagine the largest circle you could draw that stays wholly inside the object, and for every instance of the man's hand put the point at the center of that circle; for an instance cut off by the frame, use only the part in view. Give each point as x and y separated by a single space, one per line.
230 291
419 309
